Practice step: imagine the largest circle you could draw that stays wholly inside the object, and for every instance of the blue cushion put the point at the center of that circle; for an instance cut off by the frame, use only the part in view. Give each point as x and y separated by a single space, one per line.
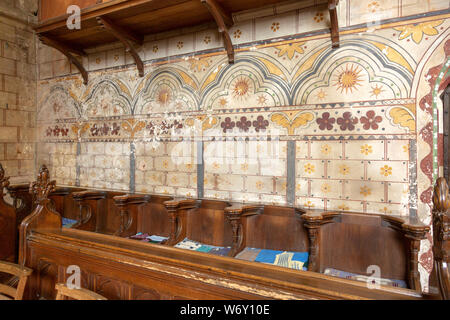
68 223
293 260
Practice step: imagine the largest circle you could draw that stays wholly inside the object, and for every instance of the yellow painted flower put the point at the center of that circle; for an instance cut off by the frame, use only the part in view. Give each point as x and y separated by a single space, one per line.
326 149
366 191
244 166
344 169
385 210
416 31
309 168
198 65
321 95
290 49
309 204
259 185
366 149
299 187
165 164
326 188
216 165
386 171
343 207
174 180
405 148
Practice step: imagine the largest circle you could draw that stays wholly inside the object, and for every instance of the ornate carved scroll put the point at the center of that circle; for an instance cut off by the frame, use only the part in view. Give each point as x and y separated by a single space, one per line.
313 220
43 186
176 209
414 231
89 204
43 216
441 237
129 206
236 216
4 181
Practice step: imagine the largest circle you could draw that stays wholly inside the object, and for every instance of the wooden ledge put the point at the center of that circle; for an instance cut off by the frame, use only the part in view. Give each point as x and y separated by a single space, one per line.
89 195
131 199
181 204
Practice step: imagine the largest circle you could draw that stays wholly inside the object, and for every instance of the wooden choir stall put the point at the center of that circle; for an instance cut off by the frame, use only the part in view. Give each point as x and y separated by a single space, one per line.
146 246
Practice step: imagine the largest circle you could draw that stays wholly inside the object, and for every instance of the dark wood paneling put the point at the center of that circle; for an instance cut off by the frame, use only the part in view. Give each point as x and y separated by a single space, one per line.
359 241
277 228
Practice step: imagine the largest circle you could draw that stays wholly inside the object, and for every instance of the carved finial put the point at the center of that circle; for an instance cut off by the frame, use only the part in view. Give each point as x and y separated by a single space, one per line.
43 186
441 201
4 181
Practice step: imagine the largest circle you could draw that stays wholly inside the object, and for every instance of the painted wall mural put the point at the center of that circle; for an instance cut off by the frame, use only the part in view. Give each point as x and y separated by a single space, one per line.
291 122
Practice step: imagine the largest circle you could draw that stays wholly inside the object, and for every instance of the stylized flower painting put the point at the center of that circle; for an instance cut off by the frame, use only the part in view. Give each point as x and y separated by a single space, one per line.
417 30
370 121
290 49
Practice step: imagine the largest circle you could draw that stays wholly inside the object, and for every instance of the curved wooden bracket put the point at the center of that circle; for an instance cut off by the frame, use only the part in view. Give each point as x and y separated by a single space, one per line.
332 7
66 50
125 37
129 206
224 21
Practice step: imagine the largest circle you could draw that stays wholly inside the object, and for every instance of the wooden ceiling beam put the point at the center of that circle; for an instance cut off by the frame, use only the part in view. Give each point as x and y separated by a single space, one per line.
63 48
332 7
224 21
125 37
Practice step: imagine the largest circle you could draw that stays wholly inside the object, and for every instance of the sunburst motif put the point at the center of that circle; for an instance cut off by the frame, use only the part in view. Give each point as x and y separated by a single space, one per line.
376 91
348 79
241 88
262 100
163 95
321 95
223 102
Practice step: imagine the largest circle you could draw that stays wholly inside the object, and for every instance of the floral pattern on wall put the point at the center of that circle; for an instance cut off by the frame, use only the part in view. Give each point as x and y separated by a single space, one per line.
359 117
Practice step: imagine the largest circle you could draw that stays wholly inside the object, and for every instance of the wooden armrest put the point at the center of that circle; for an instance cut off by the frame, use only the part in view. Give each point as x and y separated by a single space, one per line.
177 222
131 199
14 269
181 204
242 209
89 195
78 294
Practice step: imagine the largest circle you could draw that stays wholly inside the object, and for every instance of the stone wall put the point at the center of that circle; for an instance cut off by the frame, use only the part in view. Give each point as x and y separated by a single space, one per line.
18 76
